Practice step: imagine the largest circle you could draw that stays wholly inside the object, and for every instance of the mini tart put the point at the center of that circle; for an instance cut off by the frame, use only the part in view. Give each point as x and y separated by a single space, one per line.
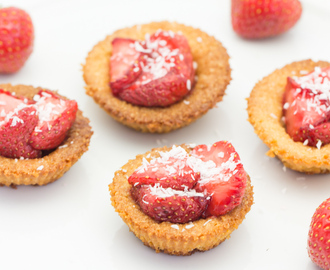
213 73
41 171
265 113
174 239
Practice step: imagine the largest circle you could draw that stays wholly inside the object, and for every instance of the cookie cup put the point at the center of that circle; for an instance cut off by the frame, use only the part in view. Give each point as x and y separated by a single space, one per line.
265 113
213 73
174 239
41 171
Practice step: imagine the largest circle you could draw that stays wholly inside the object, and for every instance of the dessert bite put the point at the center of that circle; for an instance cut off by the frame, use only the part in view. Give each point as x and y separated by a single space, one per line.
157 77
306 107
185 198
42 135
289 110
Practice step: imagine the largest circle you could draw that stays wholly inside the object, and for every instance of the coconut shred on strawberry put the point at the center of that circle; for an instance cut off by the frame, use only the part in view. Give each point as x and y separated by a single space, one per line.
156 72
180 187
306 108
27 127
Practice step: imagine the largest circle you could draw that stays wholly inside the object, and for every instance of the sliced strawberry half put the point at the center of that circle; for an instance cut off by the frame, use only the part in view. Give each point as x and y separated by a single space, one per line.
9 103
170 173
56 116
181 207
306 107
125 63
167 71
15 131
223 179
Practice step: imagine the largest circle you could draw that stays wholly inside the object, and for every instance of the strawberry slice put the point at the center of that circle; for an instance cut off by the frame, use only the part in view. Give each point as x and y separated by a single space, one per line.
15 131
9 103
162 205
125 63
167 172
167 72
56 116
224 180
306 107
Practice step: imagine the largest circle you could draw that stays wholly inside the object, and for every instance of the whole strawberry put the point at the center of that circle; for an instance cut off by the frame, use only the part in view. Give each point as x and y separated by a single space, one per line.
264 18
16 39
319 236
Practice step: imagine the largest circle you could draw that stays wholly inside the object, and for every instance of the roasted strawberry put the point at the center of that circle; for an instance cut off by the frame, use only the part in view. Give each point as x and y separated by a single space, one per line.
166 204
125 63
168 172
264 18
8 103
16 39
15 131
319 235
56 116
306 108
223 178
167 71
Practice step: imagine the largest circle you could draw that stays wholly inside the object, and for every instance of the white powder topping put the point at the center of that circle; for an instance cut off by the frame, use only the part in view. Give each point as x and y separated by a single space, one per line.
63 146
40 168
286 106
188 85
161 192
175 226
186 102
319 144
207 222
305 142
190 225
199 39
273 115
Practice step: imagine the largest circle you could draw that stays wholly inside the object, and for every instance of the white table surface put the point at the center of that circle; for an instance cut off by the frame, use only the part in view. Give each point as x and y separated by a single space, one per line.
70 224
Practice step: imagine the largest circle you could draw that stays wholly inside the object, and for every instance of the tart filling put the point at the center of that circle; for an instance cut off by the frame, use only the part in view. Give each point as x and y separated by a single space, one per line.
156 72
185 198
30 126
306 107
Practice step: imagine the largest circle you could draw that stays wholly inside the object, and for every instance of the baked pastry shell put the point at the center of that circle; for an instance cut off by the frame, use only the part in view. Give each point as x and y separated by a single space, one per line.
174 239
213 73
265 113
41 171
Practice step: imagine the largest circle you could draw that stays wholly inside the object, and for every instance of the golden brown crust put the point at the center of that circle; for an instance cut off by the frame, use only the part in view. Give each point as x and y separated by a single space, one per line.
213 77
205 233
41 171
265 113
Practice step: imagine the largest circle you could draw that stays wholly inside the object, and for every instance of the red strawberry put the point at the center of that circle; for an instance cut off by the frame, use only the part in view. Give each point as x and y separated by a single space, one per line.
16 39
171 173
178 208
125 63
56 116
306 107
8 103
15 131
264 18
225 181
167 73
319 236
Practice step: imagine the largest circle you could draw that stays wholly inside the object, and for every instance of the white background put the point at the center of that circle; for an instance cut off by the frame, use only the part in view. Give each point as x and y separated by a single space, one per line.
70 224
